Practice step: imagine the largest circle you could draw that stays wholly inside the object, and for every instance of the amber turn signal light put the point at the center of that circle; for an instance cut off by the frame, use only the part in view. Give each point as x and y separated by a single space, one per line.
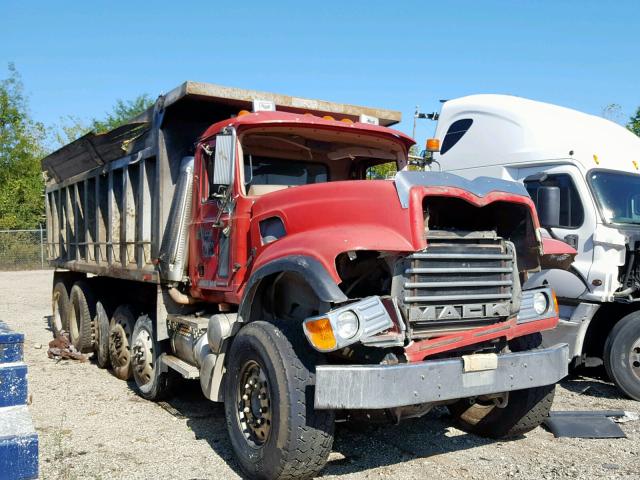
320 334
555 302
433 145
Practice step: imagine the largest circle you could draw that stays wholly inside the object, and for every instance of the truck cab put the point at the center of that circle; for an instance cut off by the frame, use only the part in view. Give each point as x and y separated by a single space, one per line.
582 173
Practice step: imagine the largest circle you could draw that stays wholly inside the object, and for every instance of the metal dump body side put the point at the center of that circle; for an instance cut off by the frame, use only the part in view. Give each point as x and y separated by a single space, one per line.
108 196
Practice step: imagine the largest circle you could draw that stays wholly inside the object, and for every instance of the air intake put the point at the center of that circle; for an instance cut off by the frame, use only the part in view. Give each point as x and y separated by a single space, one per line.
174 249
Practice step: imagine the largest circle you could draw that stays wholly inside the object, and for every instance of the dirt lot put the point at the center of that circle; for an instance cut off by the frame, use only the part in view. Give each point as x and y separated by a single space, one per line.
93 426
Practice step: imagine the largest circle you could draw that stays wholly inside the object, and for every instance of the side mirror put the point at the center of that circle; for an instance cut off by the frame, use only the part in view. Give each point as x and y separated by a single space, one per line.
224 162
548 205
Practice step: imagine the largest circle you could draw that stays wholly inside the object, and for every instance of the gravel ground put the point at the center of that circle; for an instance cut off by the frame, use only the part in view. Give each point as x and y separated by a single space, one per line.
93 426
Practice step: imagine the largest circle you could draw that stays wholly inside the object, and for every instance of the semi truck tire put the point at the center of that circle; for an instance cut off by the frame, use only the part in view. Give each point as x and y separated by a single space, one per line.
524 411
622 355
60 309
152 383
102 336
81 319
120 333
268 397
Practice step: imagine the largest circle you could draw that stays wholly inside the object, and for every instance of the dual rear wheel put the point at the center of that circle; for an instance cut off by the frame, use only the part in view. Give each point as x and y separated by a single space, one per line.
123 340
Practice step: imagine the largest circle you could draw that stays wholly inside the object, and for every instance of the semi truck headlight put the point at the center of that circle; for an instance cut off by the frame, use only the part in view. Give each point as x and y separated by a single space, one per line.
540 303
347 324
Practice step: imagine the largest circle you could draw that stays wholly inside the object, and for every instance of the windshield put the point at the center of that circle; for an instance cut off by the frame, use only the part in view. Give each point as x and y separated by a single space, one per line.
276 158
618 195
275 171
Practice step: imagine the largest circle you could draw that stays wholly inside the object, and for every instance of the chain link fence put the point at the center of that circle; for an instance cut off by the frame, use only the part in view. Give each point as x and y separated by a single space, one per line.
23 249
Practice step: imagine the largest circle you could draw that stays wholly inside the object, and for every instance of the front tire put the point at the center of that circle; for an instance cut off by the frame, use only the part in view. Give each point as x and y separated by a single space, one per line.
274 429
524 411
622 355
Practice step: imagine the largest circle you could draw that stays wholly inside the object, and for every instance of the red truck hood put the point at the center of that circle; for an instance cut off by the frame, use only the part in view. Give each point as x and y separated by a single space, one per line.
324 220
330 218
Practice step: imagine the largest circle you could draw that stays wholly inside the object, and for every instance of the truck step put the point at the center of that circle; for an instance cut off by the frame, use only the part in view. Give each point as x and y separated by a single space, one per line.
13 384
183 368
18 444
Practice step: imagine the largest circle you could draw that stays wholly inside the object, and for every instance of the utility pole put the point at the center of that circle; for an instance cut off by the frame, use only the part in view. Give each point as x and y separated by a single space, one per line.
417 114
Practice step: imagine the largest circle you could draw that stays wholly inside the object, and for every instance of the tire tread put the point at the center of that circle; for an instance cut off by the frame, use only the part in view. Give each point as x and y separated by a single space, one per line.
81 292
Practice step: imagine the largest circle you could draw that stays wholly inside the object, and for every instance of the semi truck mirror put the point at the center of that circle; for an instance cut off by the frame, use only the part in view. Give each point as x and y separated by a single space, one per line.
548 205
223 164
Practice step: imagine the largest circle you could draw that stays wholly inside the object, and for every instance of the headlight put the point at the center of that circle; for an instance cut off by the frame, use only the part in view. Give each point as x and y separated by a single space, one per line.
540 303
347 324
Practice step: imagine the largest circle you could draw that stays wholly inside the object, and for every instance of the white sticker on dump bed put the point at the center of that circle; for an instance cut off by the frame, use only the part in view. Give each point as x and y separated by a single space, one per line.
480 362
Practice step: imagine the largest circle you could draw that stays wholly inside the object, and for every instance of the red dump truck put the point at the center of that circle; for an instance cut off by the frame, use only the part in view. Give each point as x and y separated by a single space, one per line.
232 236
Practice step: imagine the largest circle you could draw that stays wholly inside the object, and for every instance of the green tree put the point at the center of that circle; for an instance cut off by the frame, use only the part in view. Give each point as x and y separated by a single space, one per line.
122 111
71 128
634 123
21 148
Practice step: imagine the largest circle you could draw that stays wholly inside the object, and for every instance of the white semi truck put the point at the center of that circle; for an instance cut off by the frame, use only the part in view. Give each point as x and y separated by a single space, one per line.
583 174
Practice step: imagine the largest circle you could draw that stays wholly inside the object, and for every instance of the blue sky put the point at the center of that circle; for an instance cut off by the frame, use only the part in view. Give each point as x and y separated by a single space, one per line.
77 58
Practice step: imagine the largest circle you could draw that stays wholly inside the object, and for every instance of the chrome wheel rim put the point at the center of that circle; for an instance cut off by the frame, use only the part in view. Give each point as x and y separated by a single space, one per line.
253 401
634 359
119 346
143 357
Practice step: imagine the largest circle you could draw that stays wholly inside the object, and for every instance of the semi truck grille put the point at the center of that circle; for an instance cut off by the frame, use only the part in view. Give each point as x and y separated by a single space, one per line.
458 282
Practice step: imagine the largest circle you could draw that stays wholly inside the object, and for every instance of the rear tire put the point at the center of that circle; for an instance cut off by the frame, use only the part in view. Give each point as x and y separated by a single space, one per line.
81 319
151 382
120 333
526 409
102 336
274 430
60 306
622 355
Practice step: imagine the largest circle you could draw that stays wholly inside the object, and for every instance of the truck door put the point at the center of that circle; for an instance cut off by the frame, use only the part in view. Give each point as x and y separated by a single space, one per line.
577 220
212 226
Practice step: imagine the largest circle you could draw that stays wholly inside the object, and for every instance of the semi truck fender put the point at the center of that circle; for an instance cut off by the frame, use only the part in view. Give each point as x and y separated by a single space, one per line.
566 284
572 328
307 267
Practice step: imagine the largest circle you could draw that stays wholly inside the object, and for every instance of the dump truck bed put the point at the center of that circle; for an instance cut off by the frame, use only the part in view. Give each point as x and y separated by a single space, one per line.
108 195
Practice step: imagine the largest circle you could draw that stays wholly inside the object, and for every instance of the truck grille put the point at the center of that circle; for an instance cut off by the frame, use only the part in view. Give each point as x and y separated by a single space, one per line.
458 282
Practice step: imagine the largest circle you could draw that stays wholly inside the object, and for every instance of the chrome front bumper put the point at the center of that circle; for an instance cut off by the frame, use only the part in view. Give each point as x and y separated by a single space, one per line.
388 386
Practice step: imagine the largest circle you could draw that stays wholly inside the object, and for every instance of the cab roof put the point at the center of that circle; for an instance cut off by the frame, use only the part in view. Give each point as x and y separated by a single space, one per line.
261 119
510 130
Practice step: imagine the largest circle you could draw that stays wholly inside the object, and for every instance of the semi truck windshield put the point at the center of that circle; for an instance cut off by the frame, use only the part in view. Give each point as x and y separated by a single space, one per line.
618 195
